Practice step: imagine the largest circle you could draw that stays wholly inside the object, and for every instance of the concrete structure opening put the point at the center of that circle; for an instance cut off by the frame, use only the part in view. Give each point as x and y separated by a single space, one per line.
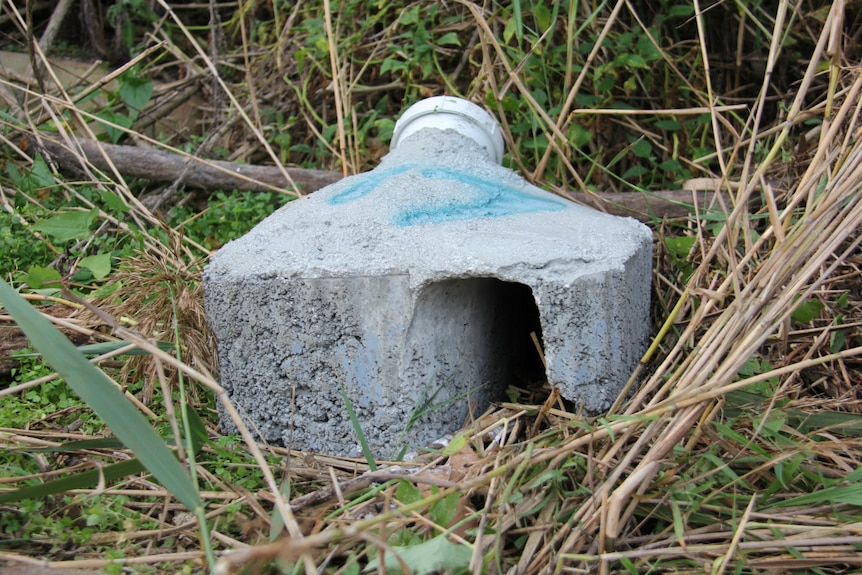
519 317
478 330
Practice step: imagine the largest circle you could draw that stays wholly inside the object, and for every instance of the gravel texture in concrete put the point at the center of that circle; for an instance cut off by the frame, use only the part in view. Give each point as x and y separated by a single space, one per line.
412 291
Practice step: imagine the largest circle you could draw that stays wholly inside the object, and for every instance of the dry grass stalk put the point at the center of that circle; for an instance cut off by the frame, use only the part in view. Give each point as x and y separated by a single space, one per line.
155 294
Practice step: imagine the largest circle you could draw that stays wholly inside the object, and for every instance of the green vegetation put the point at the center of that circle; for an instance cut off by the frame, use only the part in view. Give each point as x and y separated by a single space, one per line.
226 217
52 400
736 447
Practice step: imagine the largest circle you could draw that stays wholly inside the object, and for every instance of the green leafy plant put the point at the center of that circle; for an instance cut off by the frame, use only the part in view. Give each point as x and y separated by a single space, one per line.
679 249
427 557
18 248
228 216
45 401
123 14
133 94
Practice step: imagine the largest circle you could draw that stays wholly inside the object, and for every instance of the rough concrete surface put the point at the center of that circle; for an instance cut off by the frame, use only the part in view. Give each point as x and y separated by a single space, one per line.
415 287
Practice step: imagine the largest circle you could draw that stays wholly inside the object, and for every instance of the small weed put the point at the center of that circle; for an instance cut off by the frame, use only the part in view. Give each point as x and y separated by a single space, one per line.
228 216
124 106
19 249
51 404
679 249
57 521
123 16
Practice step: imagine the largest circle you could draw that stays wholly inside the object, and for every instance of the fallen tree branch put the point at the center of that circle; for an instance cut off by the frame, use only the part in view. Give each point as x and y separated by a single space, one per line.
161 166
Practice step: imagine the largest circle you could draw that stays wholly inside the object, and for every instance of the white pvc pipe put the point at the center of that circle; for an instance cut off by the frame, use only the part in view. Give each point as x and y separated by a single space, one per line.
448 113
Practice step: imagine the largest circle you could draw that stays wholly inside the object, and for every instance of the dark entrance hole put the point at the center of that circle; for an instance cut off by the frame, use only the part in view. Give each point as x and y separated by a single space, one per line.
519 322
479 330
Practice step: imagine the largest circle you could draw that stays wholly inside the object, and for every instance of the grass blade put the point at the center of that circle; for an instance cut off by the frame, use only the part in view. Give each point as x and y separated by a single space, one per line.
81 480
104 398
109 346
366 450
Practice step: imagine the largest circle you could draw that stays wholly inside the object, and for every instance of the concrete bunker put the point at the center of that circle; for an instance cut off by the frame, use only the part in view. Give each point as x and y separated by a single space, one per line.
479 330
417 285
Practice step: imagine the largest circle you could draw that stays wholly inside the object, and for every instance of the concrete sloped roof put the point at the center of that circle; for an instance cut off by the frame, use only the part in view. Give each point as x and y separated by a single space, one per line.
435 208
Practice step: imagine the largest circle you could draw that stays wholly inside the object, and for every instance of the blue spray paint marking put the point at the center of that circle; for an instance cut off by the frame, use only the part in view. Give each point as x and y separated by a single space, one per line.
368 183
494 201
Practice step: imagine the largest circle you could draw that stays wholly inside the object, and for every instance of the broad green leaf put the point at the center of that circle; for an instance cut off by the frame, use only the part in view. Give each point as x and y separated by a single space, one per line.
443 512
99 265
38 276
135 92
449 39
410 16
634 172
680 246
114 122
631 60
407 493
352 566
107 290
322 45
578 135
67 225
433 555
807 311
392 65
837 340
681 11
542 16
642 149
114 202
103 397
457 444
624 40
647 49
385 128
773 423
669 125
671 165
509 31
754 365
39 177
